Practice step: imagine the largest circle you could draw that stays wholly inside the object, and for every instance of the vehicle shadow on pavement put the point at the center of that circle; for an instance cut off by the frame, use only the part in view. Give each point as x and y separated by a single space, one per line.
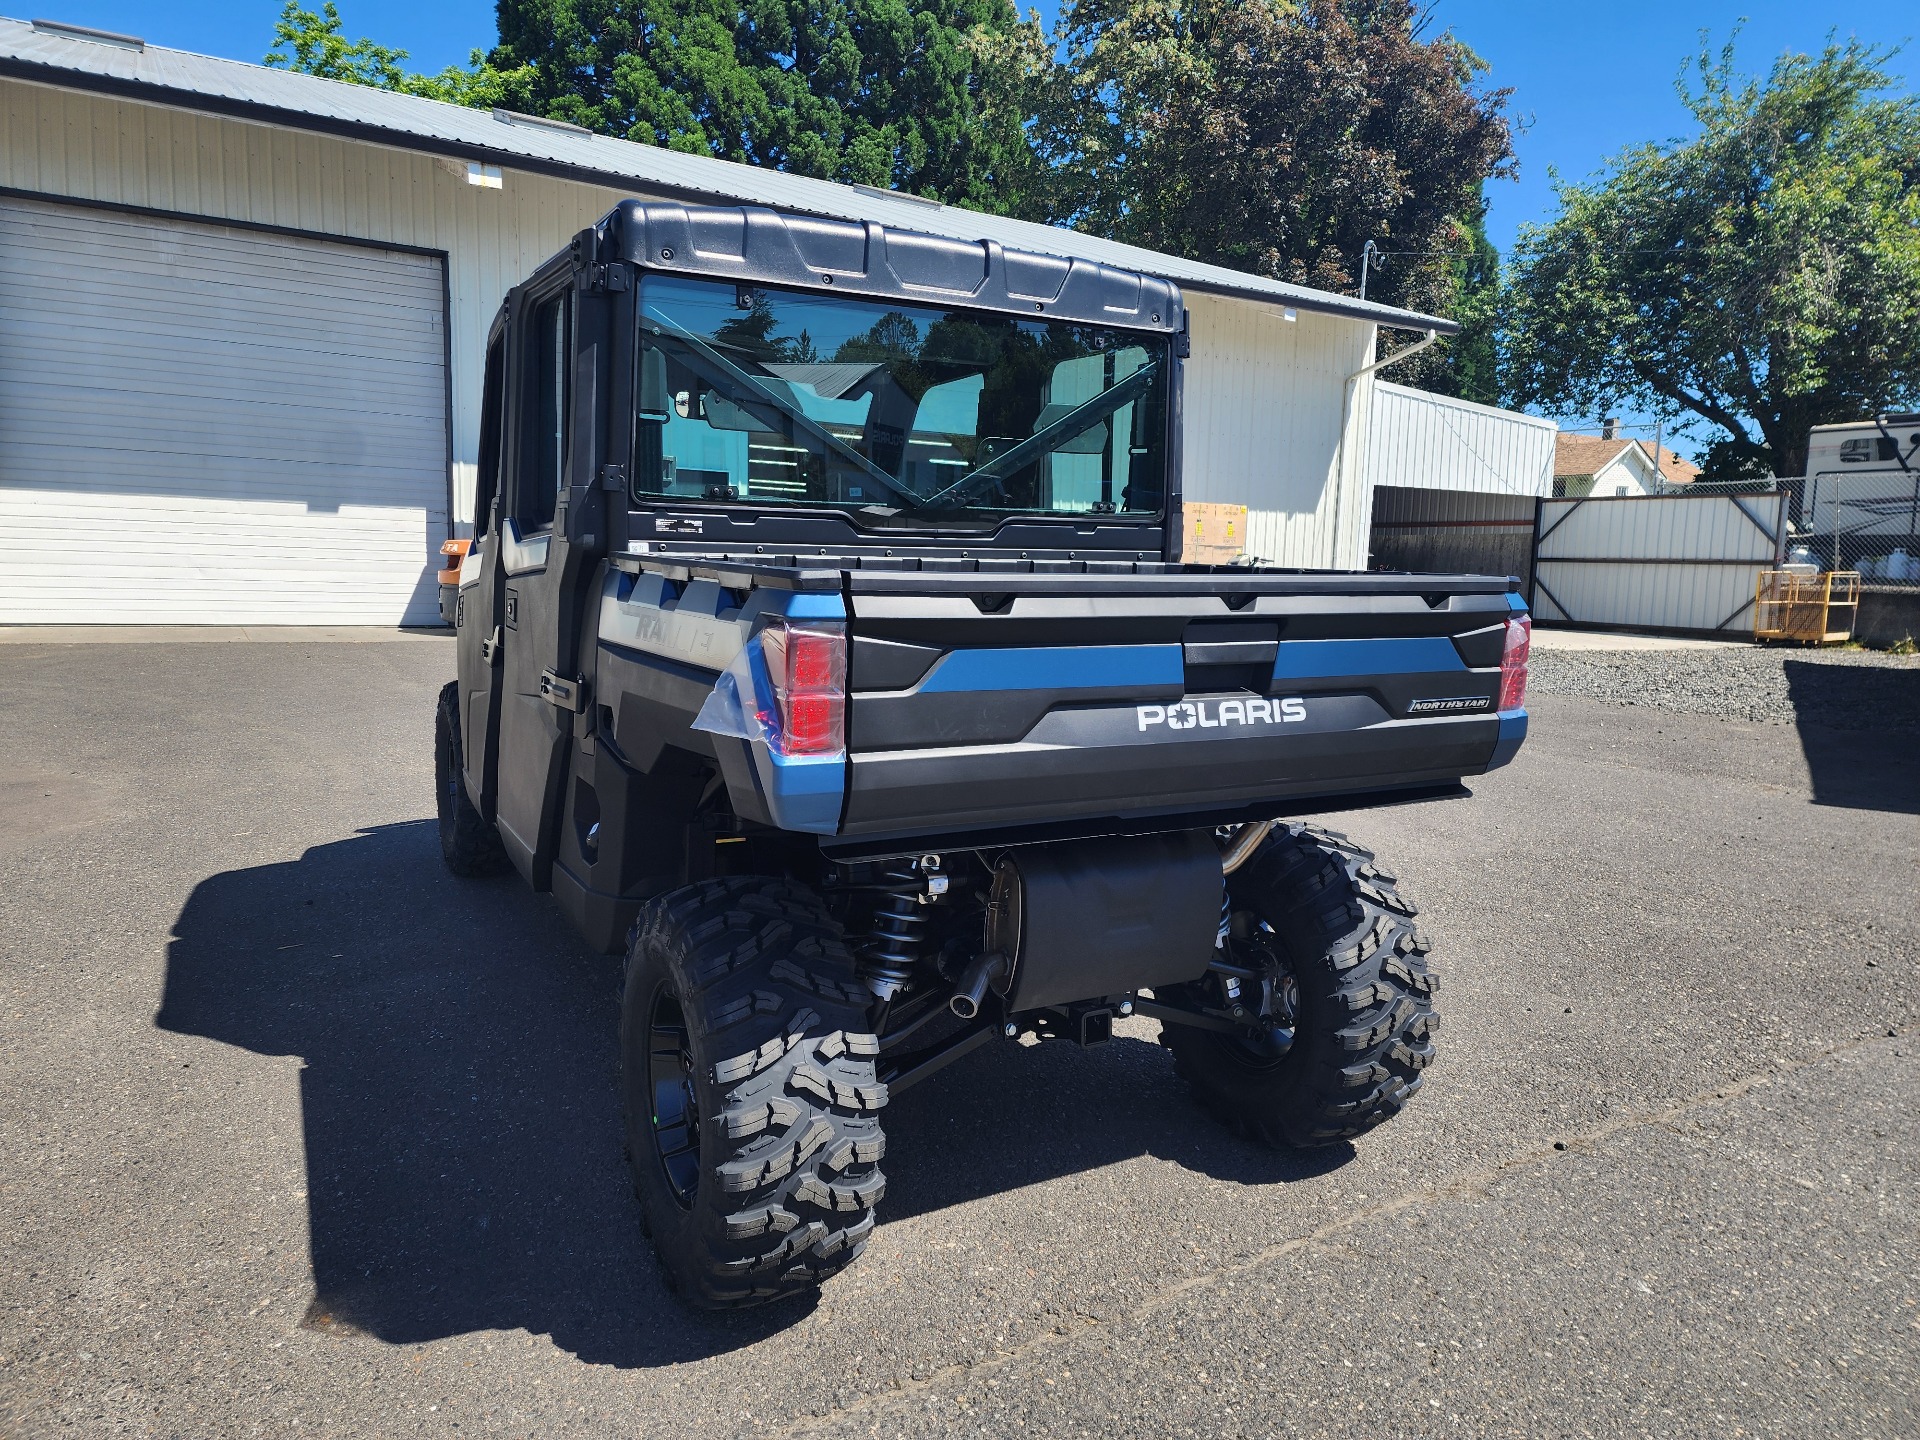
460 1117
1011 1116
1860 732
462 1124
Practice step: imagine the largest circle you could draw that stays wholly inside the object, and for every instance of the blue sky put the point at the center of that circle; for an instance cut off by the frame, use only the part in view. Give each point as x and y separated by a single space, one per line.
1588 79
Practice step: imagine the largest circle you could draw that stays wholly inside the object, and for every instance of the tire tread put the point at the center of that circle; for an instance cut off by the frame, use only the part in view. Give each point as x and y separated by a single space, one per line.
1365 1038
791 1140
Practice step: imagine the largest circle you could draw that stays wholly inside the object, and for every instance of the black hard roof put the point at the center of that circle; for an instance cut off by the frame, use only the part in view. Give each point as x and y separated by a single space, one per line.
764 247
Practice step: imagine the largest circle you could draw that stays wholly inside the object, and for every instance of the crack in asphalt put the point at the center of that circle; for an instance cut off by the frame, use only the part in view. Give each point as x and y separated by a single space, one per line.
1474 1184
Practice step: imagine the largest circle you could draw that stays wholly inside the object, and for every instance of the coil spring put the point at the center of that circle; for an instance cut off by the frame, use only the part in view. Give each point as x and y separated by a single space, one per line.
899 926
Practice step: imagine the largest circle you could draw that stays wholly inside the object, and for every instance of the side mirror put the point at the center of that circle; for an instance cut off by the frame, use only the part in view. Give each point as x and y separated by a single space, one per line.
656 405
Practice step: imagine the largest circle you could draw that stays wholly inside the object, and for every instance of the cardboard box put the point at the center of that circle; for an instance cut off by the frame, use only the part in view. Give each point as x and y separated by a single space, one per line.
1212 534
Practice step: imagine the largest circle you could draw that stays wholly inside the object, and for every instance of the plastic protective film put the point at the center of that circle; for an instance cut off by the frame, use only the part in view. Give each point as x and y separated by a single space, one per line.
734 707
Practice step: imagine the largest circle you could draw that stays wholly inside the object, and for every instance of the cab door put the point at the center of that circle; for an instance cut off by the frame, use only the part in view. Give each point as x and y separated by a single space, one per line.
534 732
476 617
552 535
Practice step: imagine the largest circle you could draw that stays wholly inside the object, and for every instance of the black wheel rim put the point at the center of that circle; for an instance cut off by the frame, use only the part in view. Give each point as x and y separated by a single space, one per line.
675 1107
1267 1047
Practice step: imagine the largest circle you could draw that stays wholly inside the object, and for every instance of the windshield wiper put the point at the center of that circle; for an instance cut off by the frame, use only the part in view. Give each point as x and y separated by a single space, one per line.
1080 418
667 329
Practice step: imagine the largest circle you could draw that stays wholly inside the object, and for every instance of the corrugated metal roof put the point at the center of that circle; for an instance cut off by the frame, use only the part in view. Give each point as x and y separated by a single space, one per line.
231 87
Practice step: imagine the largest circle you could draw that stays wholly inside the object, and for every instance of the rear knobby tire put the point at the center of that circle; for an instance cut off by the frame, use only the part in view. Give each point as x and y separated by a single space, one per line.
1364 1023
750 1099
470 846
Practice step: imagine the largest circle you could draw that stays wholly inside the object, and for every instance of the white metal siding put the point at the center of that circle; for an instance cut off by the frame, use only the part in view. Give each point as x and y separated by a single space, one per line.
61 142
1263 426
200 424
1419 440
1654 562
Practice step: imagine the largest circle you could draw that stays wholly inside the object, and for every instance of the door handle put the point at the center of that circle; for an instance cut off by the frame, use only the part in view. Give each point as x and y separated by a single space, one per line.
563 693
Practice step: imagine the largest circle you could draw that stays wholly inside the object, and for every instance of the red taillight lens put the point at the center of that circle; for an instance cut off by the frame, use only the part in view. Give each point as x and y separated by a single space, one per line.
1513 663
813 725
807 663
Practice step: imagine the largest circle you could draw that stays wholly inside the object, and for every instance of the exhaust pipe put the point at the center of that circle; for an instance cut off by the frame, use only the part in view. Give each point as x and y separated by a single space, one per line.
974 984
1241 849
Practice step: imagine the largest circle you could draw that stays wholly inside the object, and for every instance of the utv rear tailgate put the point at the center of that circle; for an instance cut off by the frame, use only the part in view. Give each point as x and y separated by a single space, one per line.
1049 699
1031 696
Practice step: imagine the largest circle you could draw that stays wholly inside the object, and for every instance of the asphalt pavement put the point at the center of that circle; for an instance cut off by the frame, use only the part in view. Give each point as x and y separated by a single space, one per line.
298 1134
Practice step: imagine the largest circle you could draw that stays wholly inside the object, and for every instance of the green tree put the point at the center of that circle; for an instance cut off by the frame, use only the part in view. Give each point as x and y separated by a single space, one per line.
1277 138
1472 365
902 94
1727 461
315 43
1759 278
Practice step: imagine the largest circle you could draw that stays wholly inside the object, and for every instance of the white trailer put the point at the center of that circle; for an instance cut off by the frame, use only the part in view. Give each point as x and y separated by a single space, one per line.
1860 506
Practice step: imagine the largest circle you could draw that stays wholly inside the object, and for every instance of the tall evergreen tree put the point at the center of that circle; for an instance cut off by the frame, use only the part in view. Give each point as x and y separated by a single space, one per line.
877 92
923 96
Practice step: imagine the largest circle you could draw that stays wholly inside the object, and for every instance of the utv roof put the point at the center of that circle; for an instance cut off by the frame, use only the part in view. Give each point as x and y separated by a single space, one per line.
73 58
755 246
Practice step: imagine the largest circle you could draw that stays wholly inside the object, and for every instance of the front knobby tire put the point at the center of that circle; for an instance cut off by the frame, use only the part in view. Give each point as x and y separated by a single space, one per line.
470 846
751 1103
1363 997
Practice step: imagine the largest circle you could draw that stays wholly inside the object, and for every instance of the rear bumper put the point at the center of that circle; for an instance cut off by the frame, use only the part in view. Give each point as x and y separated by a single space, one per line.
1513 731
1107 772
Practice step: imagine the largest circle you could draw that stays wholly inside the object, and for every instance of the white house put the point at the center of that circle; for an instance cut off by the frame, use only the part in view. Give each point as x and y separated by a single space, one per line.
1606 465
242 316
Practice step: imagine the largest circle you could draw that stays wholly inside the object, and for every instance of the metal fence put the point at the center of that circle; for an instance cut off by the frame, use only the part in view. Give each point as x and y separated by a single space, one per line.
1688 563
1655 562
1866 521
1452 532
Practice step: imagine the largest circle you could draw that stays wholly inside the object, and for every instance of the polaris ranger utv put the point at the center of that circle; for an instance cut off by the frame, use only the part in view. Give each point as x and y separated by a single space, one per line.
824 645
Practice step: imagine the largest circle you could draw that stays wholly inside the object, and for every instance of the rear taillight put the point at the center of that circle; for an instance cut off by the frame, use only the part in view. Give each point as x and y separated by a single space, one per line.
807 663
1513 662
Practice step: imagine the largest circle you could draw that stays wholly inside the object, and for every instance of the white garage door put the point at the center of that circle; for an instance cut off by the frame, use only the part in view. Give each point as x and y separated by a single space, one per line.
208 425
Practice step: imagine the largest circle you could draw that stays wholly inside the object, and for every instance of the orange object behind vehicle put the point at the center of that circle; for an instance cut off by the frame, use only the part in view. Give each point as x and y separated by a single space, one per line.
457 549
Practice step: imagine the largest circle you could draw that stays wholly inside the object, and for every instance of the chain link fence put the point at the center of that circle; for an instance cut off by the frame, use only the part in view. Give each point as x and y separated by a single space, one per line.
1862 521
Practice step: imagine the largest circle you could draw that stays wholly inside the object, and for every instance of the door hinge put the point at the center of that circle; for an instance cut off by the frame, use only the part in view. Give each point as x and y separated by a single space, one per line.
562 692
613 278
490 648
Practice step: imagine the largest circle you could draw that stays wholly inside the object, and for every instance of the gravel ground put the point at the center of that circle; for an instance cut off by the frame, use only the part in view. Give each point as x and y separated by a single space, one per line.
1834 689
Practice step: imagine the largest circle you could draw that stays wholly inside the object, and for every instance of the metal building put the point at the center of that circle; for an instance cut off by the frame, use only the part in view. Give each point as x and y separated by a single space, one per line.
242 315
1419 440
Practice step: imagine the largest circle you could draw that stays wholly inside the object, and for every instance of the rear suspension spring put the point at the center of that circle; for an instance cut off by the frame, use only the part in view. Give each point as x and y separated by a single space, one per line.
892 949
